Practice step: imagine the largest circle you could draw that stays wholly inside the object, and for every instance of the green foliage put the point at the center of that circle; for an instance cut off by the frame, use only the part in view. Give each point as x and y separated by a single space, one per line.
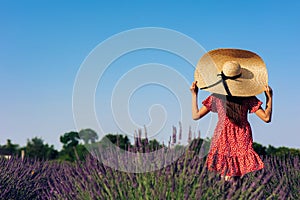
271 150
36 148
260 149
72 149
9 148
153 144
71 154
70 139
282 151
119 140
88 135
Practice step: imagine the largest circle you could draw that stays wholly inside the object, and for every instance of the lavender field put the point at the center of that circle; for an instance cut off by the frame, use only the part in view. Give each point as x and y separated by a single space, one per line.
186 178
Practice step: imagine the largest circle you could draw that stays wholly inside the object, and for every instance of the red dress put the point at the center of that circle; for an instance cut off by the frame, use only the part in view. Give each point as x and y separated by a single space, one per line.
231 151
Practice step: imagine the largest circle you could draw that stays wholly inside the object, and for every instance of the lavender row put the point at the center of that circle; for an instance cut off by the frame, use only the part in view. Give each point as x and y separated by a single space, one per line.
186 178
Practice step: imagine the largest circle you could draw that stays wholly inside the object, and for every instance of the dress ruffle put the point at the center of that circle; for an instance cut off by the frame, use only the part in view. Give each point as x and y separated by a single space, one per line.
234 165
231 151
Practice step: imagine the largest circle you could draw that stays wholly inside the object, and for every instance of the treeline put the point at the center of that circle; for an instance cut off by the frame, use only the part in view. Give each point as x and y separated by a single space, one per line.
259 149
74 146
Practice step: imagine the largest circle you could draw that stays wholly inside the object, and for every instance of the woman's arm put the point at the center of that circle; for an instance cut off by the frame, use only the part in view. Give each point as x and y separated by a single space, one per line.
266 114
196 113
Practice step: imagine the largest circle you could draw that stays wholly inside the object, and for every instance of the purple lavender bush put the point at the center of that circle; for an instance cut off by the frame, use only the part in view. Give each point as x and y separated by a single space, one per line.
186 178
22 179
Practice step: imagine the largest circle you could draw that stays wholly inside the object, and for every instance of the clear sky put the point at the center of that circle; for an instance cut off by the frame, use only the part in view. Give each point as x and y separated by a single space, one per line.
43 44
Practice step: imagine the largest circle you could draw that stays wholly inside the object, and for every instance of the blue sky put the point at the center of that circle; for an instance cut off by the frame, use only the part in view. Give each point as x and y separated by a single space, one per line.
43 44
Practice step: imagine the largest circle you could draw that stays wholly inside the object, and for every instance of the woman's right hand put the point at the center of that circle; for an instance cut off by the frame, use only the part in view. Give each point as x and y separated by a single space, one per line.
268 92
194 88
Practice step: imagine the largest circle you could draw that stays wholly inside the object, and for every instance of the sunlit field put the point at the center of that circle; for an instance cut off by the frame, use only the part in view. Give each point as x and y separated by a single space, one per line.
186 178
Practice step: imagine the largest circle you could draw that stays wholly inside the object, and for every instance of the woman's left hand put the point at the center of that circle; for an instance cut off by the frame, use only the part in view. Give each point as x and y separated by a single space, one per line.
268 92
194 88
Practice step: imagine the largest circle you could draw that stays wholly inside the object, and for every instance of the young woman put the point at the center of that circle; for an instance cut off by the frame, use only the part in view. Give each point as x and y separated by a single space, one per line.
240 75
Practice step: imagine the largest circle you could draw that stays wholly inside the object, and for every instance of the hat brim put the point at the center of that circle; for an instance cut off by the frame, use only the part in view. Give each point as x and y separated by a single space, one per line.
252 82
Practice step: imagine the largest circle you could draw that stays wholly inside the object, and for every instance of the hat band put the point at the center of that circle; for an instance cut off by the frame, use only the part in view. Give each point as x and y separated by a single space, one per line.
224 77
223 80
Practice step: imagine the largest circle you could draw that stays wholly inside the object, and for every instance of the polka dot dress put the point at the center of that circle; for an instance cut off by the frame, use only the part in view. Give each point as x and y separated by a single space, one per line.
231 151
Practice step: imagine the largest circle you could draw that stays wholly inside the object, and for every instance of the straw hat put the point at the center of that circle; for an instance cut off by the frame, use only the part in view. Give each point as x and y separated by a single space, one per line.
233 72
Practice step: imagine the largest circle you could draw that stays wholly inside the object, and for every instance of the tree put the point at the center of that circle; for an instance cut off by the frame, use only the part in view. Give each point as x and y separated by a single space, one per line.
154 145
70 139
119 140
72 150
36 148
88 135
271 150
260 149
9 148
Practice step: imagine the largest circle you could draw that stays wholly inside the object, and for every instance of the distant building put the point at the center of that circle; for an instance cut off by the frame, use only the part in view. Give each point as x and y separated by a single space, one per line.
4 153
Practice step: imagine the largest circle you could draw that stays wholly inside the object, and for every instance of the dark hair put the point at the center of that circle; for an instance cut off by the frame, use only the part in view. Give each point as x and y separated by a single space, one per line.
234 107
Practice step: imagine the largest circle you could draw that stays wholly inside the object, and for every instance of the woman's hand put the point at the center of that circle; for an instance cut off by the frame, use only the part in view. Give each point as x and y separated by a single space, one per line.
268 92
197 113
266 114
194 88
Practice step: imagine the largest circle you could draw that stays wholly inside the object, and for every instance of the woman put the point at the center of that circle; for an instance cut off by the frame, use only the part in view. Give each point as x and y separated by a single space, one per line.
240 76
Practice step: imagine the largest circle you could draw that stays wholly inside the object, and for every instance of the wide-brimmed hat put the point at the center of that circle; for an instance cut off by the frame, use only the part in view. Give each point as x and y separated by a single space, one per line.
233 72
